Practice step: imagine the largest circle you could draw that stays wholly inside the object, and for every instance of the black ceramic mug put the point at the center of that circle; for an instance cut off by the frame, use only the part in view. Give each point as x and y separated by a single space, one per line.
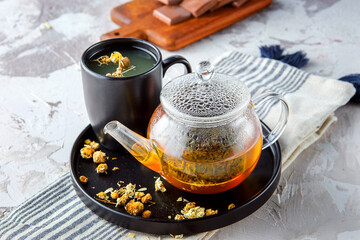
130 100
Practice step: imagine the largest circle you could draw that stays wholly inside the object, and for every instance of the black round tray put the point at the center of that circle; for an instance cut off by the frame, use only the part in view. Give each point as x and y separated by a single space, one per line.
247 197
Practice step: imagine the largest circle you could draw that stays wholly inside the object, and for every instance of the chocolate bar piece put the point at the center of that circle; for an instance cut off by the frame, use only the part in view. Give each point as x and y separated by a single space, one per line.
170 2
239 3
198 7
171 15
220 3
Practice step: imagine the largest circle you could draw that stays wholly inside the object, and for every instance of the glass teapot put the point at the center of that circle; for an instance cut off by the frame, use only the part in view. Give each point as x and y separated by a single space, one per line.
205 136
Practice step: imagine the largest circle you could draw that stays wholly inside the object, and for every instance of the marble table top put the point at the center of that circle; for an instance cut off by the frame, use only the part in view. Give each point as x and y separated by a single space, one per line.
42 109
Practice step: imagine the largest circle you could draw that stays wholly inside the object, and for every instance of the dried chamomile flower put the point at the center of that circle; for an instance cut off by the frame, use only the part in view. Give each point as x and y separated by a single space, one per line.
122 200
146 214
95 145
192 211
99 157
102 195
92 144
83 179
146 198
87 152
159 186
114 194
130 190
189 205
125 62
231 206
210 212
134 208
196 212
139 195
179 217
115 169
102 168
115 57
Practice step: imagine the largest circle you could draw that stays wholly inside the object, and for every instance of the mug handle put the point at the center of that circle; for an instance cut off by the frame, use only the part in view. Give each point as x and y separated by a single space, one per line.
168 62
284 114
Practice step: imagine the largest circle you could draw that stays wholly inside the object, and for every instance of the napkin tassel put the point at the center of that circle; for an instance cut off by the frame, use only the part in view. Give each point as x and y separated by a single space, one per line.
297 59
355 80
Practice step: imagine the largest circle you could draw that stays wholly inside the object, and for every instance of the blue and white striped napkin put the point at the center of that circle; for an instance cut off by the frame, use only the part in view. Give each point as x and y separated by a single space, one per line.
312 99
56 212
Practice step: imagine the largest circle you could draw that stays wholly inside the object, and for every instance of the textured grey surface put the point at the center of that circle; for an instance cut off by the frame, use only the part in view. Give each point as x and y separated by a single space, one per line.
42 109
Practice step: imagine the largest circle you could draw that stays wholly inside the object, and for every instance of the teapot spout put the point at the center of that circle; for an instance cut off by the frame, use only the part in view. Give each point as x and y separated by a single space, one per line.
141 148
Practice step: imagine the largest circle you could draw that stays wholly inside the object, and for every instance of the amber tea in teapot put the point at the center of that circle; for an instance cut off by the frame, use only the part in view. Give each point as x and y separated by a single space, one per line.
205 136
209 161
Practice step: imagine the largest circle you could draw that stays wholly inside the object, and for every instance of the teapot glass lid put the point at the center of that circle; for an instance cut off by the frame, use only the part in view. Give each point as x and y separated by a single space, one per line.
204 96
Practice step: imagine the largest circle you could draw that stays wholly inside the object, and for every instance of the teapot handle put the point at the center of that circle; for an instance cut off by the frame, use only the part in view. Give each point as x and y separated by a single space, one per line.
168 62
284 114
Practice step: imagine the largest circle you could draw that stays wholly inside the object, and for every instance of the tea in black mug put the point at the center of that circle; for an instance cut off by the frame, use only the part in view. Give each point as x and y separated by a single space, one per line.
131 98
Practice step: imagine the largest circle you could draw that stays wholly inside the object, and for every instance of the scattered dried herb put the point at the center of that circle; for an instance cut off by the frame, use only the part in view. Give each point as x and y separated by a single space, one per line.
83 179
231 206
117 58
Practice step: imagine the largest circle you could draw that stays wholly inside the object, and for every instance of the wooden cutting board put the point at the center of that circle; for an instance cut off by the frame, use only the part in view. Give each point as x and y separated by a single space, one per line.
136 20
